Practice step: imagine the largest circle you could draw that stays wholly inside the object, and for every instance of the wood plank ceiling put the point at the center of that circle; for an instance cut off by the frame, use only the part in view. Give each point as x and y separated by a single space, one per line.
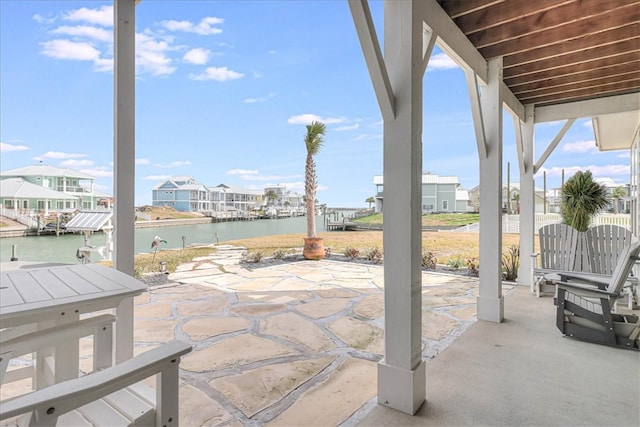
556 51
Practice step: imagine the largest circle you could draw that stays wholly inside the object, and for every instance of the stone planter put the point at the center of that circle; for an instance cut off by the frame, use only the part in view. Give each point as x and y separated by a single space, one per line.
313 248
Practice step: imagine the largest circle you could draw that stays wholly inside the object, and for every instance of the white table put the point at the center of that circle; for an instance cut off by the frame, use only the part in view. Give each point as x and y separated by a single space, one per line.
47 296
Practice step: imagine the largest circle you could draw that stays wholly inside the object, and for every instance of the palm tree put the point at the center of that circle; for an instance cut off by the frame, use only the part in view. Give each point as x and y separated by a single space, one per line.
617 194
370 200
271 195
582 198
313 142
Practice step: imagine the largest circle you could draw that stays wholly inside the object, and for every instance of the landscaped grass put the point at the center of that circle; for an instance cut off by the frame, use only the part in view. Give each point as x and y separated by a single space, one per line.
442 219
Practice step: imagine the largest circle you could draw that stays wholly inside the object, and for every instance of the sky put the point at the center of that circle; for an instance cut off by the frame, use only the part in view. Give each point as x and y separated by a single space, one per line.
224 90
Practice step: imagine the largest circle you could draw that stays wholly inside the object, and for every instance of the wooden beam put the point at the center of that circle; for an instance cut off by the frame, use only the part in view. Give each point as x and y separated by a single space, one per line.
553 145
476 113
373 57
588 108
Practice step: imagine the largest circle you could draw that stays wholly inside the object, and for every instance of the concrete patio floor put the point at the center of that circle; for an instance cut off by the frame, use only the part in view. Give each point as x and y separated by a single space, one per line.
297 344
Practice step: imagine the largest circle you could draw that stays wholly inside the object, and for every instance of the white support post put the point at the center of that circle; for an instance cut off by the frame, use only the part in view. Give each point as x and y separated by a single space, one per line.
124 133
527 197
401 375
490 300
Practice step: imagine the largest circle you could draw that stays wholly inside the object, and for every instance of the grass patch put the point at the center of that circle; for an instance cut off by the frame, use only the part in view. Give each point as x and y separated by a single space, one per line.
431 220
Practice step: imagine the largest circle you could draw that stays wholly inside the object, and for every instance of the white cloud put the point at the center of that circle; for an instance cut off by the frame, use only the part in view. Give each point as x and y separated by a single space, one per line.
175 164
588 124
67 49
242 172
206 27
305 119
7 148
156 177
197 56
86 31
101 16
74 163
257 100
42 20
275 179
441 61
272 52
100 172
580 147
220 74
142 161
151 55
347 127
60 155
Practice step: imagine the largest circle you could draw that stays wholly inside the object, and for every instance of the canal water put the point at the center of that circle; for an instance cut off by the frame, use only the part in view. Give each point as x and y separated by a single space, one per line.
52 248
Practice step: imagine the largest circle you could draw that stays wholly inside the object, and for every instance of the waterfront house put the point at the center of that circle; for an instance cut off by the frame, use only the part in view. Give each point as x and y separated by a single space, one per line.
285 199
439 194
511 199
39 189
182 193
227 197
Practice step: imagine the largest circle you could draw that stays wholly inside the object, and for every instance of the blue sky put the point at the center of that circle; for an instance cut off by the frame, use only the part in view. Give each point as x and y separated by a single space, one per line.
223 92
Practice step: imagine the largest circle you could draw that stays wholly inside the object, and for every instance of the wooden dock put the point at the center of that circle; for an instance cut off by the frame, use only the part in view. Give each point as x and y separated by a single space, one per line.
351 226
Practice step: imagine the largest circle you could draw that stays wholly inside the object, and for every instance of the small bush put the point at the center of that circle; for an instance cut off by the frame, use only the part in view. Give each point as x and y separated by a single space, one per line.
373 254
351 253
511 263
473 266
255 256
429 261
456 262
280 253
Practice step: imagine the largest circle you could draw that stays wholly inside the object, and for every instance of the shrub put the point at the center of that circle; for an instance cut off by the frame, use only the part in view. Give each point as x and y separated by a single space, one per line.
255 256
473 266
327 252
373 254
511 263
456 262
280 253
429 261
351 253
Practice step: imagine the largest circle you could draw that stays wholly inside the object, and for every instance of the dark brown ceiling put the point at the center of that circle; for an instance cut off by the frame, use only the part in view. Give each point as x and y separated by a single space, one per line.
556 51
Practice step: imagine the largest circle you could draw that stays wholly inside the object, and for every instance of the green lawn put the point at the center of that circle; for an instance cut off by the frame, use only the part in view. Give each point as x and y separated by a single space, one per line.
454 219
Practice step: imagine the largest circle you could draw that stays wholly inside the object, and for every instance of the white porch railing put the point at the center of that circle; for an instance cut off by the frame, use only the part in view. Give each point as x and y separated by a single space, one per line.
23 218
511 223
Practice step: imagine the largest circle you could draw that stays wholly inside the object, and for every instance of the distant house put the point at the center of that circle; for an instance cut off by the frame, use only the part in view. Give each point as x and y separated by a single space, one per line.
284 198
44 188
511 199
183 193
554 196
225 197
439 194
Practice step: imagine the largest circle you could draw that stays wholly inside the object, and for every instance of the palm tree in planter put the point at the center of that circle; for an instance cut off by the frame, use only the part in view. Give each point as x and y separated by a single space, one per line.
582 198
313 245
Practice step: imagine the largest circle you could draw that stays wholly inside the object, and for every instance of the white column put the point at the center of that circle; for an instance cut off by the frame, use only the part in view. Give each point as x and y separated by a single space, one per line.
124 163
527 198
490 300
124 133
401 375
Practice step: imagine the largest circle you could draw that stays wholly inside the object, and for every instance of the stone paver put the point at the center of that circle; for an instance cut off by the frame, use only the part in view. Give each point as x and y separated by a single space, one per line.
293 344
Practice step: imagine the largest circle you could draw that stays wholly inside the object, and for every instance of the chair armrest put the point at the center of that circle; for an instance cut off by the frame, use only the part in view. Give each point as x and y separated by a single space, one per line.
584 290
58 399
586 278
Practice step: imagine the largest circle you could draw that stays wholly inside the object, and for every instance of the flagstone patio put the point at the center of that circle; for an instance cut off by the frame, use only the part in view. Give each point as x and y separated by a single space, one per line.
290 344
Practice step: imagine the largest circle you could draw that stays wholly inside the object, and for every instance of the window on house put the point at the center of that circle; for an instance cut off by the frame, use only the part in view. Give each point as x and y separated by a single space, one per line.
445 205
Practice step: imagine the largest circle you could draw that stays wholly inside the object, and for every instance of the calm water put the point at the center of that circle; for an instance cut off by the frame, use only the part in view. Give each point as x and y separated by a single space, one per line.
52 248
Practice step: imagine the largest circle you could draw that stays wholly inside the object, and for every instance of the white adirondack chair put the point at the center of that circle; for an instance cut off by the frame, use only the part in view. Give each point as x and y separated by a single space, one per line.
110 397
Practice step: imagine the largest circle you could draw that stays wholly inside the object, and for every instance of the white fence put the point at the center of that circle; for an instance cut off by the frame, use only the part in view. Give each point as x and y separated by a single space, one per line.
511 223
23 218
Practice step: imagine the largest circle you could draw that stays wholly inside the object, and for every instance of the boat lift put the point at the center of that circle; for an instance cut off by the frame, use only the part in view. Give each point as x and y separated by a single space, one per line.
87 222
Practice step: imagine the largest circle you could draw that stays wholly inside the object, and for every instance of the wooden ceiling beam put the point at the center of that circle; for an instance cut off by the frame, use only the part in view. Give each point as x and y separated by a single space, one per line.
593 78
456 8
496 15
616 18
576 71
616 88
574 52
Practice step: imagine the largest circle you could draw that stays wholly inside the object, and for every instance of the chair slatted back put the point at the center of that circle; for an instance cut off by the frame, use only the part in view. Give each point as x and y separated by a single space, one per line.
626 261
605 244
559 244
